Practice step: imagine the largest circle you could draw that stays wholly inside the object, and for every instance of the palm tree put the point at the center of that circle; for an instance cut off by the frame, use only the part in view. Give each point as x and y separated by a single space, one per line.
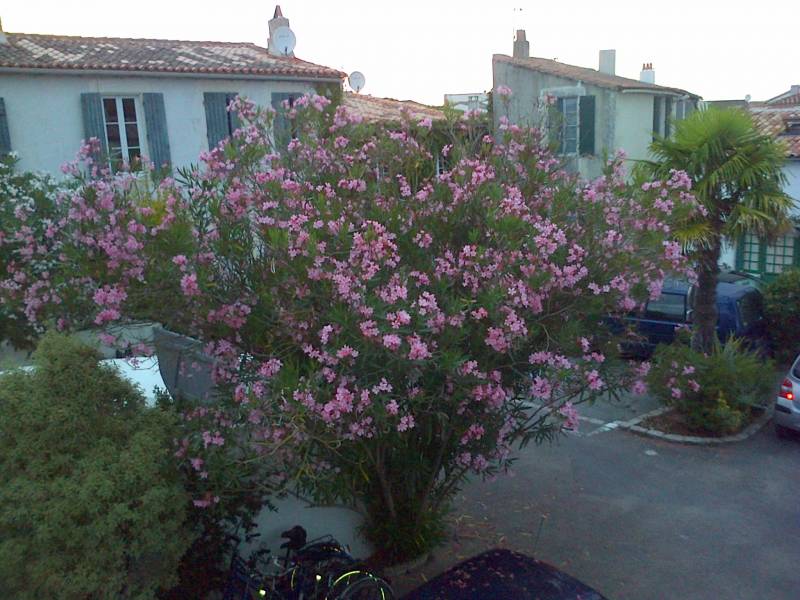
736 175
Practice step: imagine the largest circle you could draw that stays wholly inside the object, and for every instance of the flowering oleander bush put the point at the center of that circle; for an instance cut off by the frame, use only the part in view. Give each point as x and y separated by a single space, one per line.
22 195
714 392
382 332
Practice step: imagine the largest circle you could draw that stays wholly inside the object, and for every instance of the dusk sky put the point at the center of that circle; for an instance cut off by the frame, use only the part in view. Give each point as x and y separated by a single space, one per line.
421 50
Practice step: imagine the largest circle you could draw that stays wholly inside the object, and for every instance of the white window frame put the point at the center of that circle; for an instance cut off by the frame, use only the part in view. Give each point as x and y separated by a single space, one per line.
562 127
121 124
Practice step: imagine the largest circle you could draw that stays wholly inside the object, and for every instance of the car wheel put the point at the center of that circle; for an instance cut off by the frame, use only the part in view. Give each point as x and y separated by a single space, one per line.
781 431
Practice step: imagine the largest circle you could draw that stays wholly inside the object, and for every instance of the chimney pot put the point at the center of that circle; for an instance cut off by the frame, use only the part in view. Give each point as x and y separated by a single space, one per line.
648 74
608 60
522 47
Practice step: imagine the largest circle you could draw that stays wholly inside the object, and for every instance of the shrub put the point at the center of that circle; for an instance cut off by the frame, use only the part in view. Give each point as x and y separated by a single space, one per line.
714 392
91 504
27 210
782 313
378 329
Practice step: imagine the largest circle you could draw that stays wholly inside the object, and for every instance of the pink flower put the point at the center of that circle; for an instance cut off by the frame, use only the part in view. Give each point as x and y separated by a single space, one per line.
346 352
392 341
189 285
419 350
570 414
496 339
503 91
406 423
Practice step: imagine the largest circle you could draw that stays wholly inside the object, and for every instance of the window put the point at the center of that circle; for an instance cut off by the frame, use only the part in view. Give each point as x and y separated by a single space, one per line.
122 130
669 307
751 253
572 125
682 109
568 128
780 255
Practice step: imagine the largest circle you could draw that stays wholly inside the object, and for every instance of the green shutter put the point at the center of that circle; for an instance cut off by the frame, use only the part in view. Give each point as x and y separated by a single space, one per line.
5 137
93 120
656 116
739 261
556 125
586 125
281 126
233 118
155 118
217 123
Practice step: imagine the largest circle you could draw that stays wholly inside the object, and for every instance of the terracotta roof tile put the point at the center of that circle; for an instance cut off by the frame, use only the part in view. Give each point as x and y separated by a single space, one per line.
35 51
774 120
374 109
591 76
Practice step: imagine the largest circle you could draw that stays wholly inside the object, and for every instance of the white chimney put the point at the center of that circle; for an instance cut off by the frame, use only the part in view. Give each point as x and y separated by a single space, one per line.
608 62
648 74
3 37
522 48
277 20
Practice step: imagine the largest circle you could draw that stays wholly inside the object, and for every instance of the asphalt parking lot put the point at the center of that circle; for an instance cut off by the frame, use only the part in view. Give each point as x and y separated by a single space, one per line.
638 518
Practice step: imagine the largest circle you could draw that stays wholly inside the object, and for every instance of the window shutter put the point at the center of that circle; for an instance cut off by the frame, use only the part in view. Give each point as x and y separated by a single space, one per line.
93 121
656 116
235 122
216 105
739 260
5 138
667 115
557 125
155 118
281 126
586 125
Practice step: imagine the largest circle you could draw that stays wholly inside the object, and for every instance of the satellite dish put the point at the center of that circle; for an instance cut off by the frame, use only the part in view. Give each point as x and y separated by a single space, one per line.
356 81
283 41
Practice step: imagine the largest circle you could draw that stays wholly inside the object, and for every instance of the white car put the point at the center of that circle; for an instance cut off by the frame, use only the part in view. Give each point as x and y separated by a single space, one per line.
787 404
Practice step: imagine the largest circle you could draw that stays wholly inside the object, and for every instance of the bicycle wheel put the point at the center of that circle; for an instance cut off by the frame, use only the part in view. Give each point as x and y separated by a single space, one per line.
360 585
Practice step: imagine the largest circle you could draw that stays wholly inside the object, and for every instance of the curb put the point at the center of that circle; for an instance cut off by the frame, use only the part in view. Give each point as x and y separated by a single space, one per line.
747 432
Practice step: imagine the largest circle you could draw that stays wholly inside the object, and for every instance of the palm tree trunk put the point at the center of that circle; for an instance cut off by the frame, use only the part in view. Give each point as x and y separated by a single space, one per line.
705 302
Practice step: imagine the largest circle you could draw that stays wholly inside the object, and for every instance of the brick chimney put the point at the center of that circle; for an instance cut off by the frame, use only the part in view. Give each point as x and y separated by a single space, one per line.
608 62
648 74
522 48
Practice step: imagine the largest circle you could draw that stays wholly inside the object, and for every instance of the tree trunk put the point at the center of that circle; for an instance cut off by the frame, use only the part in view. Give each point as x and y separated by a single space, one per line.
705 301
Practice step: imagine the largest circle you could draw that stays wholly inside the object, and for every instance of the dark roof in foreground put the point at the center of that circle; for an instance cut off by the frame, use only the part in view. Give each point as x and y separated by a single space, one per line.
373 109
36 51
586 75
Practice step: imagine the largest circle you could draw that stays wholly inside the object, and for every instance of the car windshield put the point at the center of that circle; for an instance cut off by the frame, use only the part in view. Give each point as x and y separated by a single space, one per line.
668 307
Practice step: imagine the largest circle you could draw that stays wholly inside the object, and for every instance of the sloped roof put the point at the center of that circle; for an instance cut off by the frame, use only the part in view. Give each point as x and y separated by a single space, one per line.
36 51
586 75
373 109
774 120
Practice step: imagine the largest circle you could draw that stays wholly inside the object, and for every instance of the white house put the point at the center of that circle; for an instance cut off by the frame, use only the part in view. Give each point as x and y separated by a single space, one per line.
587 111
778 117
163 99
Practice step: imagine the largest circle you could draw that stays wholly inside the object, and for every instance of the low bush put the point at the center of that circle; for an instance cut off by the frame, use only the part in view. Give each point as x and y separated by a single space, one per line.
782 313
714 392
91 502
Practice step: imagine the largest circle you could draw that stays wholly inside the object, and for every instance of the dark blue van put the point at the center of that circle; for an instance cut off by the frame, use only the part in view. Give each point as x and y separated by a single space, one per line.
739 304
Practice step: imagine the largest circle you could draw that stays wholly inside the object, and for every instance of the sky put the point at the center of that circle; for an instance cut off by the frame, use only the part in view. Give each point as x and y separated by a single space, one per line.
420 50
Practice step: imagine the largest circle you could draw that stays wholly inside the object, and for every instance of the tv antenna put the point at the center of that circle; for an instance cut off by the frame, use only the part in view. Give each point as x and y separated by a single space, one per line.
356 81
284 40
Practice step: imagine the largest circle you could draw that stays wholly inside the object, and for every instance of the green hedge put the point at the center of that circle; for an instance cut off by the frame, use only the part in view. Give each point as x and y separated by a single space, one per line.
782 312
91 503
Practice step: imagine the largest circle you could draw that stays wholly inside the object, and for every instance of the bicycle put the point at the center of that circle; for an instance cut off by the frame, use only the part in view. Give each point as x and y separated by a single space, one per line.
321 569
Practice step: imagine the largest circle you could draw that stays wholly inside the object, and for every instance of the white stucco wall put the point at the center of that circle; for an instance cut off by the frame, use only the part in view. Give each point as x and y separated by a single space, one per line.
634 124
46 123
